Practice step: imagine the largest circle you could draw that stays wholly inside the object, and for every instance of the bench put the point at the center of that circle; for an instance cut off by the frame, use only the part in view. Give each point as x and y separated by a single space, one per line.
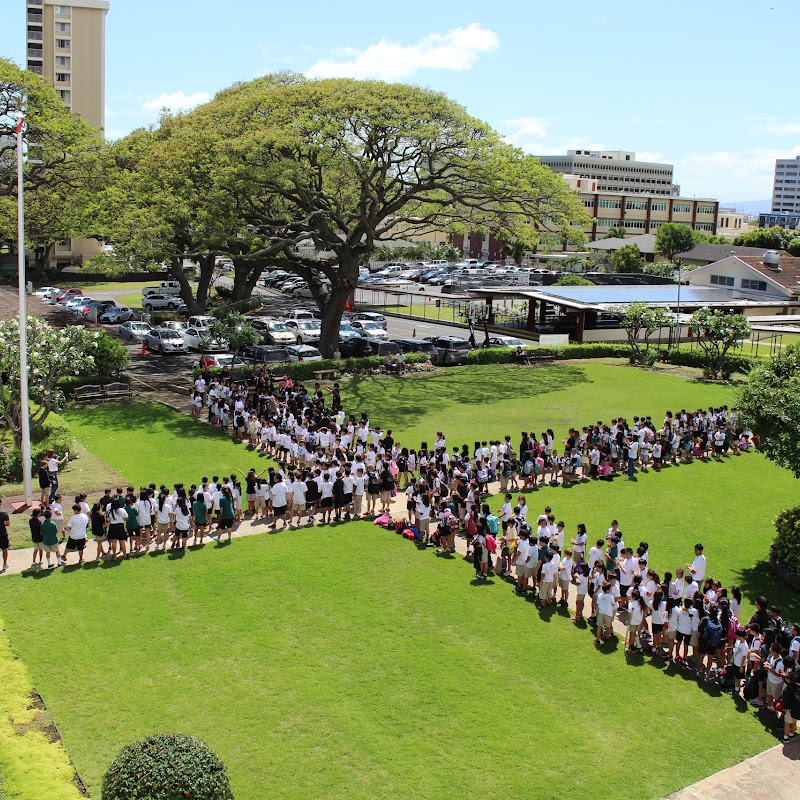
323 374
112 391
536 356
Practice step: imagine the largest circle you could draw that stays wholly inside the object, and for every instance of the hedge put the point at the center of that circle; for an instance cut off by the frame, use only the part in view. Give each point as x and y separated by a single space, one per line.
55 434
167 767
304 370
508 355
734 362
786 547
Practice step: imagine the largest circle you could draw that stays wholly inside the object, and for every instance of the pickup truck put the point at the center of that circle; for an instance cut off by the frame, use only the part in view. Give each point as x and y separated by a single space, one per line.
165 287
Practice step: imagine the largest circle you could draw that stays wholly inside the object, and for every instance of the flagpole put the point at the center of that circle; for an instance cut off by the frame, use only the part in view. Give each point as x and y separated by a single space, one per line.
23 322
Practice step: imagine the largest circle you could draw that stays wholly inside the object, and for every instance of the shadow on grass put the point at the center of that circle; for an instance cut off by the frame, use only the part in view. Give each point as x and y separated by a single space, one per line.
761 580
417 395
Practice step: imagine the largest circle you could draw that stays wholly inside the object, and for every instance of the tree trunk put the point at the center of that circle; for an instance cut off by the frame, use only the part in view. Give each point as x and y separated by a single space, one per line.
245 277
176 271
207 264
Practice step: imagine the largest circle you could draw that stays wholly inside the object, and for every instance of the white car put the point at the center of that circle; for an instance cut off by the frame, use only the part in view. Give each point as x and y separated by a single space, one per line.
153 301
302 313
369 329
134 331
199 339
47 292
303 352
116 314
307 330
164 340
72 304
201 321
277 333
393 271
301 290
222 360
506 341
175 325
372 316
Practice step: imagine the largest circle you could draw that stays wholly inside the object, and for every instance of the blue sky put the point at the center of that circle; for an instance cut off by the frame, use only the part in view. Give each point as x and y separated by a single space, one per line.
705 85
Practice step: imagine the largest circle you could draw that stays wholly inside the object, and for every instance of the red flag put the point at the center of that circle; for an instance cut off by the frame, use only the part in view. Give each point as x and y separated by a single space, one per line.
20 123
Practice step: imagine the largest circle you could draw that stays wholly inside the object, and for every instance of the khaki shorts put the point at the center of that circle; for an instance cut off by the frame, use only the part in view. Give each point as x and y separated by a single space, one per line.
50 548
563 585
357 501
604 621
774 690
546 590
100 539
162 527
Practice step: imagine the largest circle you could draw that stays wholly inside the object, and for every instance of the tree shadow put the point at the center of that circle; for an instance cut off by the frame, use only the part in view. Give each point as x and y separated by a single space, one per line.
761 580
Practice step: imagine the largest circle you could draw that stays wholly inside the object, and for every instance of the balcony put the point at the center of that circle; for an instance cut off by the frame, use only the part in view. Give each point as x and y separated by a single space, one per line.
36 18
35 36
35 52
36 70
35 2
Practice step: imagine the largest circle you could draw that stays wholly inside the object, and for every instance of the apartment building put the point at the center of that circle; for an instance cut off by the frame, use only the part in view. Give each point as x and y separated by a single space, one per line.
730 222
638 213
786 186
616 171
66 44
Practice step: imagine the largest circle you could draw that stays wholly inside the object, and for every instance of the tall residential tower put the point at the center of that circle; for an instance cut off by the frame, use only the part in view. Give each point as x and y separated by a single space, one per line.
67 46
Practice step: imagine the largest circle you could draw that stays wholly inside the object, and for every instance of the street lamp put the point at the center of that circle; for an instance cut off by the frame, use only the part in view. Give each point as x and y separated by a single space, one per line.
678 279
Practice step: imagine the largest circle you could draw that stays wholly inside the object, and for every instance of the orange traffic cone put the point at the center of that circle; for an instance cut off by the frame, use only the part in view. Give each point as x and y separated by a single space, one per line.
144 349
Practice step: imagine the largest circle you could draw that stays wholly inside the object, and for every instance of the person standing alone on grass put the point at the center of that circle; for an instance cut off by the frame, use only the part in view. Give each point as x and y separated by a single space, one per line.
5 523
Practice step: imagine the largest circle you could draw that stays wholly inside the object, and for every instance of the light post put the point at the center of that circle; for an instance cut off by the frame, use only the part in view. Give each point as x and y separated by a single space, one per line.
25 424
678 319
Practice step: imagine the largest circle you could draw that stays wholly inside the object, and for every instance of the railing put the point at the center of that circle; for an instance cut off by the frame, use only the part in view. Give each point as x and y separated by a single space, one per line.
35 52
39 18
35 36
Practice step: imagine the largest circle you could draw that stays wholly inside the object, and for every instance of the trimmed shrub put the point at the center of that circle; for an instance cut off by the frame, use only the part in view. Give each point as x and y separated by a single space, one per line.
111 355
508 355
167 767
734 362
786 547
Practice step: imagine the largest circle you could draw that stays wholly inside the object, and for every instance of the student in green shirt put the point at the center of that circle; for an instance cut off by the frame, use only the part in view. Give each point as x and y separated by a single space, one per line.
49 533
200 517
226 512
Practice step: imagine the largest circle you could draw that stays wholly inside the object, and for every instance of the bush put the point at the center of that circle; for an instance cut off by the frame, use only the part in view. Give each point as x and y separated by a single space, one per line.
110 356
55 434
787 542
167 767
734 362
508 355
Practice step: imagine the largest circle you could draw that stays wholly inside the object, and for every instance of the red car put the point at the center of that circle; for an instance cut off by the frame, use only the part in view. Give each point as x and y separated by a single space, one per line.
68 293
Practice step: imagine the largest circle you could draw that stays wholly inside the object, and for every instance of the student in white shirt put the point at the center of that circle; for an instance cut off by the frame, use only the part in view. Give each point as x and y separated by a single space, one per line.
684 630
78 525
739 660
582 588
278 493
698 567
547 579
606 608
564 576
596 554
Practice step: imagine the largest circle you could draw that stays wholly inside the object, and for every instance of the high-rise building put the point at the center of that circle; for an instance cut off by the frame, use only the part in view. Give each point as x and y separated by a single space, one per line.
616 171
66 44
786 186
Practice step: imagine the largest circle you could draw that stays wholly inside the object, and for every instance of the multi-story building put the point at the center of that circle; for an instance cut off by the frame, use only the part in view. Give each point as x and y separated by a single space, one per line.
66 44
786 186
639 213
615 171
730 222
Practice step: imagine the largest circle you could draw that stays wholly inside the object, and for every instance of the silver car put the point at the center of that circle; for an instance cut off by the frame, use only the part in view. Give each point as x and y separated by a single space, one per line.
164 340
307 330
134 331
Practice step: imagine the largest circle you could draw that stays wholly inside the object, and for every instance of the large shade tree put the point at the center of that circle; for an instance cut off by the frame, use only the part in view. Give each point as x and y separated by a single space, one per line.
62 171
311 176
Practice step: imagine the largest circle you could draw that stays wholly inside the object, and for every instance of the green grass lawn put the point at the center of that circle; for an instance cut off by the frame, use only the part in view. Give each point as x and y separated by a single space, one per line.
343 662
106 286
147 442
356 666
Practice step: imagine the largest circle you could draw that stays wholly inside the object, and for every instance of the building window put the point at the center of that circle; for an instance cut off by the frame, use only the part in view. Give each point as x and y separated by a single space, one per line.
704 226
63 61
705 209
760 286
588 202
635 205
64 11
608 223
681 208
721 280
659 206
635 223
610 204
62 77
63 44
656 223
63 27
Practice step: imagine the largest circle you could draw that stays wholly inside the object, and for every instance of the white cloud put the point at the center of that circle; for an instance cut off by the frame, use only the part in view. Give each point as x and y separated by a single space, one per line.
457 49
531 134
774 127
728 176
175 101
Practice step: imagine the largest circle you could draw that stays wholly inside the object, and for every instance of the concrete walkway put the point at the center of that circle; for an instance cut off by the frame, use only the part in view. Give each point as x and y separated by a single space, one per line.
771 775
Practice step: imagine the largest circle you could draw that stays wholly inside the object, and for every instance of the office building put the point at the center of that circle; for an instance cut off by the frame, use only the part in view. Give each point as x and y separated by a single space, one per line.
66 45
786 186
615 171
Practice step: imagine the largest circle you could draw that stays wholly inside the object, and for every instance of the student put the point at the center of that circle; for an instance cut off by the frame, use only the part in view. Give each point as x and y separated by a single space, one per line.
117 534
790 700
738 665
660 615
5 524
53 463
582 588
549 571
77 528
50 539
164 512
278 494
480 554
227 513
684 630
132 524
58 514
564 576
99 533
775 671
606 608
635 618
183 521
35 524
326 497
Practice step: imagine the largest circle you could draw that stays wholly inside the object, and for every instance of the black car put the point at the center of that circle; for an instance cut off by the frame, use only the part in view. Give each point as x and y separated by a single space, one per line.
262 354
416 346
355 348
450 349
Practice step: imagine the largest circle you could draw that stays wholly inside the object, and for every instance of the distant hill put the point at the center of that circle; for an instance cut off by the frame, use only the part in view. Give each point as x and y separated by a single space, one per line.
754 207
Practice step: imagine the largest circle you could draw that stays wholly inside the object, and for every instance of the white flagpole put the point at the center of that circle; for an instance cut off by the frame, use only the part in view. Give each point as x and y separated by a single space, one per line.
23 322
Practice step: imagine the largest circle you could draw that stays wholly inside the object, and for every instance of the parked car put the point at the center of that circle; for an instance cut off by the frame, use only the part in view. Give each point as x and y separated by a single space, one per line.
46 291
372 316
165 287
153 301
73 304
416 346
301 290
355 348
438 278
505 341
134 331
450 349
175 325
302 313
347 331
277 333
271 278
165 340
393 270
199 339
264 354
221 360
200 321
303 352
116 314
60 295
369 329
184 309
307 331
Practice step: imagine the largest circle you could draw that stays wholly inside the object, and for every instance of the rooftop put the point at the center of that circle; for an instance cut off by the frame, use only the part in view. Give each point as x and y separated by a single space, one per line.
788 274
716 252
646 242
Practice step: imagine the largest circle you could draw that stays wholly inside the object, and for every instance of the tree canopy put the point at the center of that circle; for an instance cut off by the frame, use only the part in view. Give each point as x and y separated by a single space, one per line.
640 323
774 238
673 238
717 332
627 259
309 176
769 403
